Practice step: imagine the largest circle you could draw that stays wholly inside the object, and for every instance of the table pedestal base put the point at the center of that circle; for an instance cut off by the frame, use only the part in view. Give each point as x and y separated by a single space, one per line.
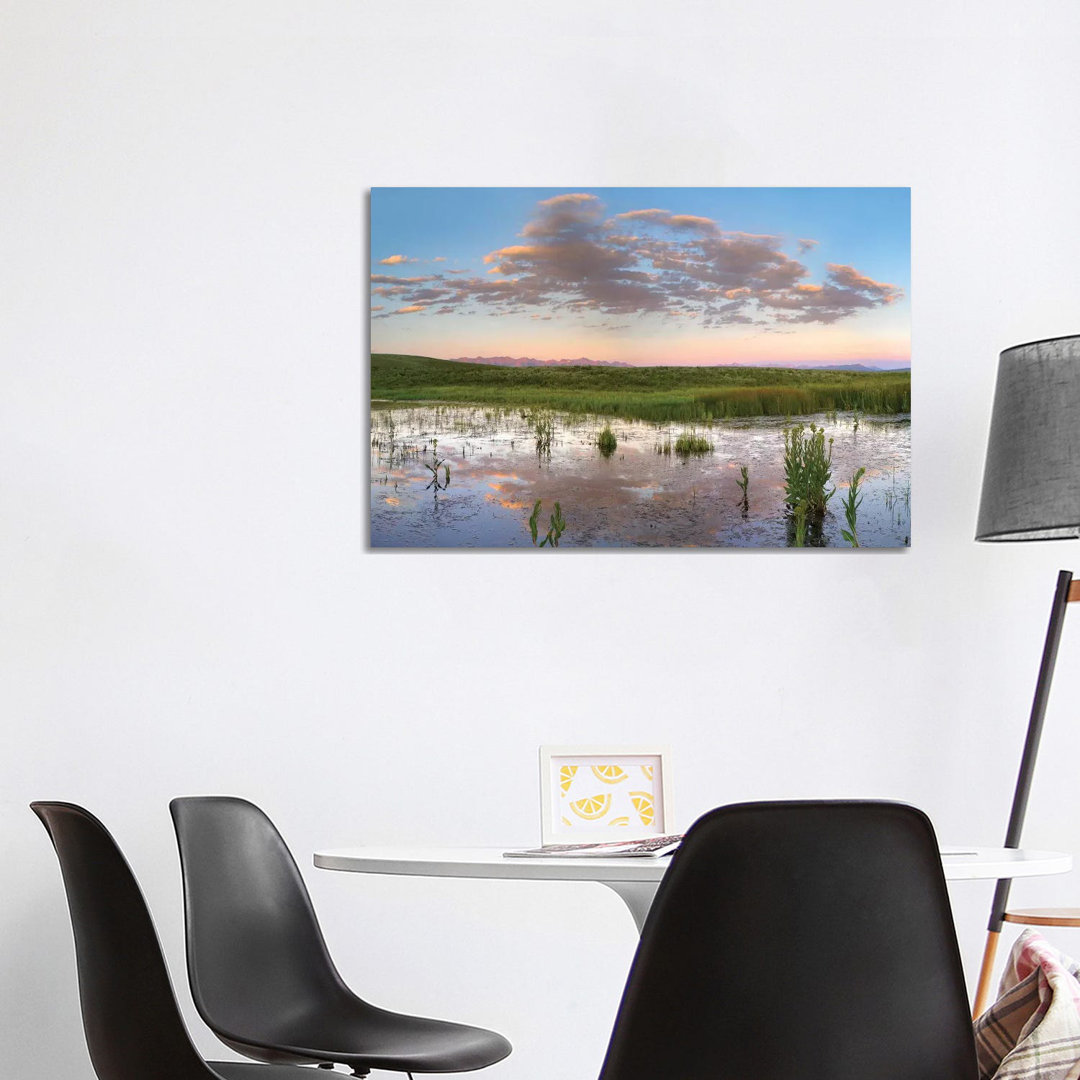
637 896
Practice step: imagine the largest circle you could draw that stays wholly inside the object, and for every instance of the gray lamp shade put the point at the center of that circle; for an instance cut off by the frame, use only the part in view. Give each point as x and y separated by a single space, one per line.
1031 484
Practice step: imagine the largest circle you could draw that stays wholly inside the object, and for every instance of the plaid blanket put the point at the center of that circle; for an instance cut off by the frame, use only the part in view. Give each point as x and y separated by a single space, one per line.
1032 1031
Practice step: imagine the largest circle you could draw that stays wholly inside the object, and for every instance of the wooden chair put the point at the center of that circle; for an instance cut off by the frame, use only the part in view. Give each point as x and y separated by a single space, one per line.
1049 916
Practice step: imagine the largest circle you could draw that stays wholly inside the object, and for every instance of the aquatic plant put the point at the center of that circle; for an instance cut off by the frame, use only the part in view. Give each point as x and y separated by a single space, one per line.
544 427
855 422
744 483
807 469
606 441
556 525
799 512
895 497
433 467
851 503
690 442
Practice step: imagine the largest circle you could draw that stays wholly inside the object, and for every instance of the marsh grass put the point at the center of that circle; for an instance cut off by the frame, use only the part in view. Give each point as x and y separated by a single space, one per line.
606 441
659 394
690 442
544 427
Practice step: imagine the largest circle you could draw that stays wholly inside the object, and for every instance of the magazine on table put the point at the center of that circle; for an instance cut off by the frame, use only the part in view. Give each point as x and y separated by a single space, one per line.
649 847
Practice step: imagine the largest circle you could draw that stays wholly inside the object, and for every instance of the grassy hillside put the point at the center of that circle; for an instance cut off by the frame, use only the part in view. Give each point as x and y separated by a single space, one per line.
644 393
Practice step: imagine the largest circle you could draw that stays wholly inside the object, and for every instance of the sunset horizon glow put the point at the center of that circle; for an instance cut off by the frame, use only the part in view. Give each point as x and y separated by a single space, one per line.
657 276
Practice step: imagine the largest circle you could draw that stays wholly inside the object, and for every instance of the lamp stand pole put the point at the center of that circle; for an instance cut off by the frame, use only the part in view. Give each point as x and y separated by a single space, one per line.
1064 593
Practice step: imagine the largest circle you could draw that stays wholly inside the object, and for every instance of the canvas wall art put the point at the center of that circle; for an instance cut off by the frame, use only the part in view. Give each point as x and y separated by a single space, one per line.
568 368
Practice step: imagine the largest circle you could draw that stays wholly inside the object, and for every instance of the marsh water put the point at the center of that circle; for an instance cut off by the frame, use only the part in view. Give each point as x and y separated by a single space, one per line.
644 494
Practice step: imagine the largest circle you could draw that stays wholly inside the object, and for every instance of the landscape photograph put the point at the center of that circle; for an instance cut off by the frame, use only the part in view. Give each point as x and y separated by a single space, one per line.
566 368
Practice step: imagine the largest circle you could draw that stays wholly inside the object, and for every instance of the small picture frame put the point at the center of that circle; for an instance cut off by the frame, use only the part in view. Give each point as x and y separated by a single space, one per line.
596 793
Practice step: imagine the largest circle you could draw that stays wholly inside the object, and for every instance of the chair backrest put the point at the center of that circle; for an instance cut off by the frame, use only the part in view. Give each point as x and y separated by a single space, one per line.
255 951
798 941
132 1022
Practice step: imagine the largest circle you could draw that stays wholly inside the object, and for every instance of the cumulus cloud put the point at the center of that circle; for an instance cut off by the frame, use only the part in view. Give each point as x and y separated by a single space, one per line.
570 258
391 279
672 221
844 292
847 277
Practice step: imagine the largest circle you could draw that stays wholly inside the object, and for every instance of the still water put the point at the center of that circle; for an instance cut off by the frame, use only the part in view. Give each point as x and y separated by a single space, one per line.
500 464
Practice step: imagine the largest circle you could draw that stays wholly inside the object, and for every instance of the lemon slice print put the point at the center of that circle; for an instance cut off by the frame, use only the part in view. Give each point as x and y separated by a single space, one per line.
592 807
566 777
609 774
643 804
646 771
624 820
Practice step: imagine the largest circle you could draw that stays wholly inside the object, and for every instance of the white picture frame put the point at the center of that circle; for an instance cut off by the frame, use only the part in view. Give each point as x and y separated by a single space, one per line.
597 793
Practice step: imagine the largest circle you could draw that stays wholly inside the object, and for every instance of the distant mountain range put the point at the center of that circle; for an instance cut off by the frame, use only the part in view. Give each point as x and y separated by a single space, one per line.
531 361
583 361
856 367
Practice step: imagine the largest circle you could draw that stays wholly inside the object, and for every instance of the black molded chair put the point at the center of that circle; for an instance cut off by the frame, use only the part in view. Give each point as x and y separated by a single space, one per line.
259 969
798 941
133 1026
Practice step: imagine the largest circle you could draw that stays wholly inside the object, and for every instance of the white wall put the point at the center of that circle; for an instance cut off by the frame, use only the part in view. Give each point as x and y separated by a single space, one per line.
187 603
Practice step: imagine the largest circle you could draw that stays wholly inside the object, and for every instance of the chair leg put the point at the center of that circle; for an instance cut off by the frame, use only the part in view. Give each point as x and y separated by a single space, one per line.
982 992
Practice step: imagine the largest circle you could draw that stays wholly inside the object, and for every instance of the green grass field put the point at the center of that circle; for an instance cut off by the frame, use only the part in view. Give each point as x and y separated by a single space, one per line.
642 393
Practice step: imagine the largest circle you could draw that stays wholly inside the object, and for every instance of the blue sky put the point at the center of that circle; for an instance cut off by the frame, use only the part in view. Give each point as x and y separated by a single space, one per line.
643 275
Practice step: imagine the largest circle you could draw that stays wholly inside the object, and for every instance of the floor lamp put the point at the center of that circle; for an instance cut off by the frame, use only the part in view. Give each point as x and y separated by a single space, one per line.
1031 491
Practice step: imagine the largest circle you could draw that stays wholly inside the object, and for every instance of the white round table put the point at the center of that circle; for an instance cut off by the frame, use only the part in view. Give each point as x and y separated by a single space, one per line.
636 879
